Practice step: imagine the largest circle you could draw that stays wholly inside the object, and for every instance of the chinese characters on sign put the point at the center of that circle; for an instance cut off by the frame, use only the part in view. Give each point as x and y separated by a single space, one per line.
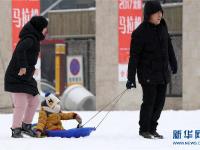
128 24
22 11
22 16
186 134
130 4
129 18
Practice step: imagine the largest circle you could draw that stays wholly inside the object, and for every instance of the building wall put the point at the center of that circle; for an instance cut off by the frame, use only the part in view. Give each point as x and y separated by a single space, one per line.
173 17
77 28
68 24
84 47
191 54
72 23
5 50
67 4
107 84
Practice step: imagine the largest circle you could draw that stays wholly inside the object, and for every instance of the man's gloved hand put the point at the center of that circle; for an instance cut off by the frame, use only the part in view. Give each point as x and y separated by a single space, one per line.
130 84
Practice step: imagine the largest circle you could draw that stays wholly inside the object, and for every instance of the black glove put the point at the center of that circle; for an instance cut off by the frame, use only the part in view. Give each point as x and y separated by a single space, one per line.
130 84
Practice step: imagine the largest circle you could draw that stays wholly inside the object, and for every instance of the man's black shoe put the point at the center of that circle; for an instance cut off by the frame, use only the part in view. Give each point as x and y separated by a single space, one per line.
156 135
146 135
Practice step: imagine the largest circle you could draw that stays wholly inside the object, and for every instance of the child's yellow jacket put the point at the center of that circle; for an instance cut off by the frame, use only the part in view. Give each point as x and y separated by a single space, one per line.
52 121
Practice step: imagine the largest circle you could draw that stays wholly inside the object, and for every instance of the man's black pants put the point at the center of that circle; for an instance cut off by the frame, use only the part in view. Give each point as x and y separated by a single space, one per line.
152 106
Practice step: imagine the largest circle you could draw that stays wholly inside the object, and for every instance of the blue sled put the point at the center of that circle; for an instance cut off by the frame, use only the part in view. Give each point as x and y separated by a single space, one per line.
75 132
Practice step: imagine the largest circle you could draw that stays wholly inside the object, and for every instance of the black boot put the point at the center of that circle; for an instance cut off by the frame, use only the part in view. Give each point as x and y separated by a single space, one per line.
146 135
157 135
17 133
27 129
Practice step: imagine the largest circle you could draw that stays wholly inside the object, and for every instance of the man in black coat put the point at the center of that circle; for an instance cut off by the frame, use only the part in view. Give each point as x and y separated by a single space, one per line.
19 75
151 52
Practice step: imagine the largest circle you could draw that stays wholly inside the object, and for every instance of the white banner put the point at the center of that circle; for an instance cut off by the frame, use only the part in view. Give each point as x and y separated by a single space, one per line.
122 72
37 73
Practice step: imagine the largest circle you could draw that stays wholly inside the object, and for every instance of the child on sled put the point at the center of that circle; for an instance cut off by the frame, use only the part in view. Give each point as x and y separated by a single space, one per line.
50 115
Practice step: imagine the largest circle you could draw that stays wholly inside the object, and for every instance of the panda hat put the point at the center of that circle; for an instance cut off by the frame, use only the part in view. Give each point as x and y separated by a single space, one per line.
51 103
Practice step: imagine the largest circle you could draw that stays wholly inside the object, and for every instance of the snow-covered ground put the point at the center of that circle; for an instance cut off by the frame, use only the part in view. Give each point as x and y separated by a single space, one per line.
119 131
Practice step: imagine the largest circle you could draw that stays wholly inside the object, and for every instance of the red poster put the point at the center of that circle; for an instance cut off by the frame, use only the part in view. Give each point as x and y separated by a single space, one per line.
129 17
22 11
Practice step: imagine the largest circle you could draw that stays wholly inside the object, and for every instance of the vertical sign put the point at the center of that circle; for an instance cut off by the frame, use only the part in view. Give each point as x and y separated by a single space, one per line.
74 70
129 18
22 11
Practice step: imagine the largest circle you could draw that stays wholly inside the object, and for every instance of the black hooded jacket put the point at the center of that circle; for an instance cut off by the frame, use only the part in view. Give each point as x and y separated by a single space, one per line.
25 56
151 52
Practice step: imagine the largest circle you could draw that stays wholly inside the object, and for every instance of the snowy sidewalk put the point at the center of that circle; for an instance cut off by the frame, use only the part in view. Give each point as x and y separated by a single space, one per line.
119 131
